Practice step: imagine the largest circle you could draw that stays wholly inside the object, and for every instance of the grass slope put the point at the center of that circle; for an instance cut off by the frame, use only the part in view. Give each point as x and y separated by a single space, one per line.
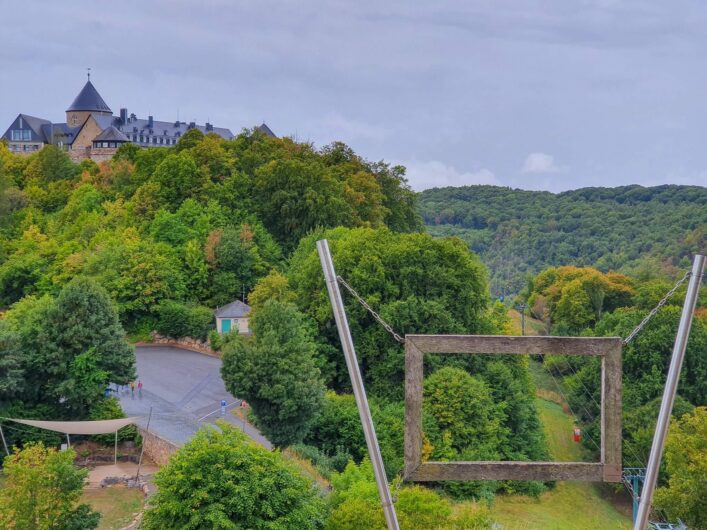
117 505
571 505
575 505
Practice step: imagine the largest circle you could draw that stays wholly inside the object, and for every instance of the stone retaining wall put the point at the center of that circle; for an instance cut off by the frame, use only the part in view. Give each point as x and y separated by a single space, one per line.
185 343
157 448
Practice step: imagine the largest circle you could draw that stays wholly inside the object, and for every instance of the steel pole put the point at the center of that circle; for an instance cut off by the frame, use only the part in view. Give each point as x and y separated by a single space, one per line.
671 384
359 391
4 443
142 449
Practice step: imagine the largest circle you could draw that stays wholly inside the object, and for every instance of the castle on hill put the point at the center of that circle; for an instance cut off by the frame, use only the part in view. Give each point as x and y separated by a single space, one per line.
92 131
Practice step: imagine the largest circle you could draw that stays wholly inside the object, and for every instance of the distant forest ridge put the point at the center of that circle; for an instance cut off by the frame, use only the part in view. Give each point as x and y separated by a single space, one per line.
633 229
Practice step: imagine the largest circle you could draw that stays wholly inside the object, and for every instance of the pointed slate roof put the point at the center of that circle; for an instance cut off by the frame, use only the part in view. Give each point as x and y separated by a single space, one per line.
34 123
61 131
111 134
235 309
89 99
266 130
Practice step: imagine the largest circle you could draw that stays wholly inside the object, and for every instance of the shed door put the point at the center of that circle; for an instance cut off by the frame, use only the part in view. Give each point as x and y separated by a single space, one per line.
225 325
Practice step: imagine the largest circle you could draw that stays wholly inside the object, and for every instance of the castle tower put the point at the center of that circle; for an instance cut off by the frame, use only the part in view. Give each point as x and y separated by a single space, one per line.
88 102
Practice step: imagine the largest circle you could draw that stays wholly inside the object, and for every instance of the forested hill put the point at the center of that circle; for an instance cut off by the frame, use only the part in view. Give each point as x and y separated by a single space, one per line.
516 231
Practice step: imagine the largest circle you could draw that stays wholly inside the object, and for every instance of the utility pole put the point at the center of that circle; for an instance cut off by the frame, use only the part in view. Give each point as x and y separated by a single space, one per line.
364 411
671 385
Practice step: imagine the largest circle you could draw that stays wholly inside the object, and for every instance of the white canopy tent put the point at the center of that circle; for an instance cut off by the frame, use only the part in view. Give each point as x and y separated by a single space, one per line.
80 427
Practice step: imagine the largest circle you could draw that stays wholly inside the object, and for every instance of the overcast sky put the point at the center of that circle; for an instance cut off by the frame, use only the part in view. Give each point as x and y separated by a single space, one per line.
536 94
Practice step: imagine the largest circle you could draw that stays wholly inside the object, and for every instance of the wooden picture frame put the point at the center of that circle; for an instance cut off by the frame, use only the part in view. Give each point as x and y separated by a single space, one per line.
608 348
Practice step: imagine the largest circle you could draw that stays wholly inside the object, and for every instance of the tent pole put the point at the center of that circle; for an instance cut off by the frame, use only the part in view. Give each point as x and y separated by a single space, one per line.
4 443
115 454
68 441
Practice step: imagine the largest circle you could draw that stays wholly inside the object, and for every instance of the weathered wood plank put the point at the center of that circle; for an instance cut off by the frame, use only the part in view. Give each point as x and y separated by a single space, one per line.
611 414
441 471
413 407
495 344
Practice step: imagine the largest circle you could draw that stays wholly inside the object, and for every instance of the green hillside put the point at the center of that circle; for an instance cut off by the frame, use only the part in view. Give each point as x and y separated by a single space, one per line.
518 232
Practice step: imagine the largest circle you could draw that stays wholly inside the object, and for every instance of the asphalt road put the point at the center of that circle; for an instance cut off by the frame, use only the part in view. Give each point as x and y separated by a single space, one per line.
185 390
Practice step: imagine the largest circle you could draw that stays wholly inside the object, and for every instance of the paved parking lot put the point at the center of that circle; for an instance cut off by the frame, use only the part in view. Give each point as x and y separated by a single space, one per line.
184 389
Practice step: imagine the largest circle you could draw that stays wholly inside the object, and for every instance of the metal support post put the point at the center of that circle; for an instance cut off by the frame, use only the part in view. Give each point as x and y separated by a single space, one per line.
68 441
4 443
671 384
115 453
142 449
636 495
364 411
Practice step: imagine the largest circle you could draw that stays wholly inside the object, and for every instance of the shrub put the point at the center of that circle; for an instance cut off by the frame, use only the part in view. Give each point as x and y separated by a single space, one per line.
177 320
222 479
215 342
110 409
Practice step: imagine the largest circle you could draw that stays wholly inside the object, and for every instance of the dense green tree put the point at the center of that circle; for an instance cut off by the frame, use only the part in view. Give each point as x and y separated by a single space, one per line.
293 197
518 232
178 178
573 298
137 273
51 164
686 463
222 480
189 139
11 369
276 372
463 407
337 429
42 491
424 285
81 346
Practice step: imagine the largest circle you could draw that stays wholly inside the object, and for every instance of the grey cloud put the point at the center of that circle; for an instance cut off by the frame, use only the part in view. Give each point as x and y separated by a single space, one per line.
612 88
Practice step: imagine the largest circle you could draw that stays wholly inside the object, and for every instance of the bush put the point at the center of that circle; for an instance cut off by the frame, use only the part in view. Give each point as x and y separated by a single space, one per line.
178 320
356 506
110 409
215 342
222 479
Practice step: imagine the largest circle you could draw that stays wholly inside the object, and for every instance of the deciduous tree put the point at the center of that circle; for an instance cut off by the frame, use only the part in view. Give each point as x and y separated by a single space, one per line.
222 480
42 491
276 372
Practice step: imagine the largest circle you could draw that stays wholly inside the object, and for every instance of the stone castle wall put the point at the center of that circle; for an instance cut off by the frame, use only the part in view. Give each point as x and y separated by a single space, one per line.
158 449
98 155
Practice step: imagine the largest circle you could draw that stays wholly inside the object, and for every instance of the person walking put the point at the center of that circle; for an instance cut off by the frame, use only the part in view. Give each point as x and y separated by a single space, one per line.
139 388
132 389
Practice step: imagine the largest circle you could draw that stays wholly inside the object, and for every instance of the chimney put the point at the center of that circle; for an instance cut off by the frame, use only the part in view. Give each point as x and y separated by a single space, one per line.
209 127
123 116
192 125
132 116
150 122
